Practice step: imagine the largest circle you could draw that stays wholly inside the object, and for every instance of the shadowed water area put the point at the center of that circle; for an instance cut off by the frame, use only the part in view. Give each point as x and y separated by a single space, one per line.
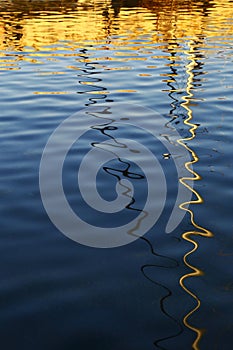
164 290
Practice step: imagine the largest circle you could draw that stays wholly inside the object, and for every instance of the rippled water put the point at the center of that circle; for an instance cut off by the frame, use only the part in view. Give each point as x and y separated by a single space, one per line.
165 291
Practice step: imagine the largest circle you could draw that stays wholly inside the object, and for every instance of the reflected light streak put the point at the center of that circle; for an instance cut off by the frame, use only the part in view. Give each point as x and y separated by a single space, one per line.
198 231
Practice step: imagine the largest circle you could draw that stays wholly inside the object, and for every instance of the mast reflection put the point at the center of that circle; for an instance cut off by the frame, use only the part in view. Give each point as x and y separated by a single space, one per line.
194 176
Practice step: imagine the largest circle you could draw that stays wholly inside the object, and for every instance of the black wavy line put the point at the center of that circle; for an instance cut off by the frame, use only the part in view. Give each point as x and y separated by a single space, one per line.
103 128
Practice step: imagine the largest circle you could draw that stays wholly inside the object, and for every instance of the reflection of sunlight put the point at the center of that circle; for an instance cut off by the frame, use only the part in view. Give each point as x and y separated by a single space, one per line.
121 35
27 24
198 230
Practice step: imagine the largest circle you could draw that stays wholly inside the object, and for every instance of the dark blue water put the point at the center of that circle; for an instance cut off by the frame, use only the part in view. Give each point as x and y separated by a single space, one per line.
58 58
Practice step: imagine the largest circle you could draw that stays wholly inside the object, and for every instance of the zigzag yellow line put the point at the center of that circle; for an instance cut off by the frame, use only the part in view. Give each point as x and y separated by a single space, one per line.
198 231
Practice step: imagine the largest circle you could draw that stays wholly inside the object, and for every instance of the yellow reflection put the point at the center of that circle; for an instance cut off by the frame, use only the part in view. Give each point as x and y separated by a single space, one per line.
37 27
36 24
198 231
52 92
126 90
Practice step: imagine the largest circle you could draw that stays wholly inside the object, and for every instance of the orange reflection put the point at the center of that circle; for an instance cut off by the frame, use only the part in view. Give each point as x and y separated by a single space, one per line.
198 231
36 24
35 28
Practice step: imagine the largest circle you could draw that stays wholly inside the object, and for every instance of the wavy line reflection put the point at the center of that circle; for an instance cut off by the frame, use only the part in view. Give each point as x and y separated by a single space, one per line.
167 295
122 170
198 230
106 129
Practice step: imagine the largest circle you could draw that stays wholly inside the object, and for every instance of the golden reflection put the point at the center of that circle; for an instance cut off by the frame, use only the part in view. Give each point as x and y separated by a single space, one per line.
51 92
39 30
198 230
36 24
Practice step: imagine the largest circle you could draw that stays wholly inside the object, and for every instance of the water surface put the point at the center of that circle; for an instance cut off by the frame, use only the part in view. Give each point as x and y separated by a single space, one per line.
175 57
